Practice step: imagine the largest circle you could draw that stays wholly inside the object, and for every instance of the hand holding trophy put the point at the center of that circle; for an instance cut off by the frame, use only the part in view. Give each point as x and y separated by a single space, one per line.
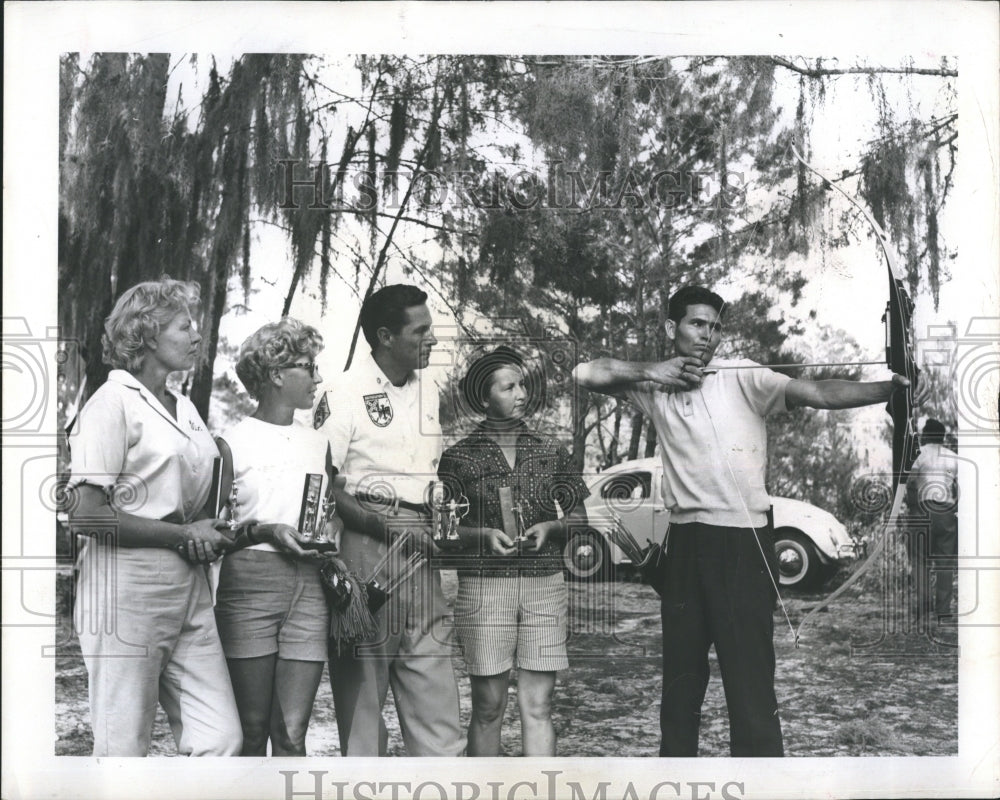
317 516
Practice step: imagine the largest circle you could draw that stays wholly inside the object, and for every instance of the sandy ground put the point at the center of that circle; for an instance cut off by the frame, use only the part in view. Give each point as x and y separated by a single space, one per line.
853 687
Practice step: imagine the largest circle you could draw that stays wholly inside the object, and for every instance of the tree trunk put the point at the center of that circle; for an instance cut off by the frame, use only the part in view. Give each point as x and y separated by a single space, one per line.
600 439
380 263
650 440
633 442
580 438
613 457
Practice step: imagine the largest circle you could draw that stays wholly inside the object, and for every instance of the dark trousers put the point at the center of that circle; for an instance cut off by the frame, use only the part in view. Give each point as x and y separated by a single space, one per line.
717 591
934 557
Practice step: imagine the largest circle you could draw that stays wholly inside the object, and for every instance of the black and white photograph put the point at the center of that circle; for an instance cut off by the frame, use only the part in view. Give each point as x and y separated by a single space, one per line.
606 392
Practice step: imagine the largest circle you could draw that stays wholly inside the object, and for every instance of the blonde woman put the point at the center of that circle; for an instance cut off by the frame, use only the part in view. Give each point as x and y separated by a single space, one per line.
270 607
141 470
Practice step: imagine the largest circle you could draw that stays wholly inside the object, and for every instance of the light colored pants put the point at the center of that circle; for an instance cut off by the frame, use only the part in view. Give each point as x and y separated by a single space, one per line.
147 632
412 652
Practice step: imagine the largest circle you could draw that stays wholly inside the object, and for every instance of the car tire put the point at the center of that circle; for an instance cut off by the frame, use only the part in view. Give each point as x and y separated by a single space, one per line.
799 565
587 557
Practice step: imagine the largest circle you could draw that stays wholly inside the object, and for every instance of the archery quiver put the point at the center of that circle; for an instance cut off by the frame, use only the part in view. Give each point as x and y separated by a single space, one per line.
351 619
392 571
646 559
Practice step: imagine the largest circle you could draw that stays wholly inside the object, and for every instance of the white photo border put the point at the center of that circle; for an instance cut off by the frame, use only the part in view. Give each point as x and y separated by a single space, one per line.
37 34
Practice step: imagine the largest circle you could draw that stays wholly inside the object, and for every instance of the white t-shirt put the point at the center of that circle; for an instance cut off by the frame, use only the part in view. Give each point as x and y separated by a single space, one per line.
270 464
157 467
934 473
700 430
385 439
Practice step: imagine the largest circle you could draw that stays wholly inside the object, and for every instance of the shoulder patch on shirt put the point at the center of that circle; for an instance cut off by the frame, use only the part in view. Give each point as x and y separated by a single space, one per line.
322 412
379 408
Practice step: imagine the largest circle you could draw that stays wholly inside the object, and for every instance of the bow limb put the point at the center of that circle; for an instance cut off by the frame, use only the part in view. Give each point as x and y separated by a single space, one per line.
899 359
880 234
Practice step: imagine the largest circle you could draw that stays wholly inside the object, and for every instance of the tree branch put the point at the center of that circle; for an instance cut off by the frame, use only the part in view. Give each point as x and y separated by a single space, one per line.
820 72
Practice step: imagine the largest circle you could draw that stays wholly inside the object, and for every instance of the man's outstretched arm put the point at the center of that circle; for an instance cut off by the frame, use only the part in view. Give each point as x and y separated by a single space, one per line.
612 376
836 394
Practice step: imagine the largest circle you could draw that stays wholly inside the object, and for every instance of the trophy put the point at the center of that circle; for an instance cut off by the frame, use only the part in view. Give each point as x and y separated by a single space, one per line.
521 527
234 522
315 514
445 518
513 516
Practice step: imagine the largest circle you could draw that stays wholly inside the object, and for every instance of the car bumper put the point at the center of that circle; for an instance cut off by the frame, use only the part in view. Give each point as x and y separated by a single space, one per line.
852 551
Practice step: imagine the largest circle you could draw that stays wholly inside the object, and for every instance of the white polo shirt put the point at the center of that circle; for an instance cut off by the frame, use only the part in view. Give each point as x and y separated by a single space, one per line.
700 430
158 467
385 439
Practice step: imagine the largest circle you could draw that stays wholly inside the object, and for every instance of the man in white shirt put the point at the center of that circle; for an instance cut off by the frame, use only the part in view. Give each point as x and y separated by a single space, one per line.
381 419
719 576
932 490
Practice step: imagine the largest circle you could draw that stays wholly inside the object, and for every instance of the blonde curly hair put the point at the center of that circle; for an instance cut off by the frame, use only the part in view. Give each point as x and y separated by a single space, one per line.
277 344
139 314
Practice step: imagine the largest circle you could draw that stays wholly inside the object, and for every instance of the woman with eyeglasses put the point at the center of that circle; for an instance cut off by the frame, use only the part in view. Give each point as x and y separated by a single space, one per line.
141 475
270 606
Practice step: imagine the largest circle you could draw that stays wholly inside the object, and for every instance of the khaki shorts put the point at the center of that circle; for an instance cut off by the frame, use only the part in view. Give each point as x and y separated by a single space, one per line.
271 603
498 617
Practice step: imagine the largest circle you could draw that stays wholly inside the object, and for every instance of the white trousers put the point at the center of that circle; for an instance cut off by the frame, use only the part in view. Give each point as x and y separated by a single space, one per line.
147 631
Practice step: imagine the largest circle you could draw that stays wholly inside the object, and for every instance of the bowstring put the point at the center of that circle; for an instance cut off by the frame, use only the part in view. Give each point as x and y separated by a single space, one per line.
746 510
729 466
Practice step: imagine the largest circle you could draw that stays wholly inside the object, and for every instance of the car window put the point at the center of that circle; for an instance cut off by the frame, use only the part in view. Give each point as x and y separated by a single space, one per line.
628 486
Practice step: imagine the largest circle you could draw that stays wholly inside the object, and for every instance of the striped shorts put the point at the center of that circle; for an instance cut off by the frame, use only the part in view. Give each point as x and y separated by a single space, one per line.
498 616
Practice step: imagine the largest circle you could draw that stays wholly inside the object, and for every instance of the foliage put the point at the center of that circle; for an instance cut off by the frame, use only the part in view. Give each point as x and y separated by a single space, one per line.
146 191
592 187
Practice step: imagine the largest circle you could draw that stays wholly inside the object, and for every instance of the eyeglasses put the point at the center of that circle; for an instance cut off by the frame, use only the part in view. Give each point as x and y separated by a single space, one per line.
309 365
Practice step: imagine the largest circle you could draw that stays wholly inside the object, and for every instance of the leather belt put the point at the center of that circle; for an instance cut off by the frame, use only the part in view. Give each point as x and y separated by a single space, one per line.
384 505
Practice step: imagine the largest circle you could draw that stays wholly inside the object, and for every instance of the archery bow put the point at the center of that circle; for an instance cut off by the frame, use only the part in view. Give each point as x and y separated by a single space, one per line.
899 359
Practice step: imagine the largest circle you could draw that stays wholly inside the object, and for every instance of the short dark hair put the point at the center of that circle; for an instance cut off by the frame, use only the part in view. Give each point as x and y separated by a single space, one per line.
386 308
679 301
933 431
475 386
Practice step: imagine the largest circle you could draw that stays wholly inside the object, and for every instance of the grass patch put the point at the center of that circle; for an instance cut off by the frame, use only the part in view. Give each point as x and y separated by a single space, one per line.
867 734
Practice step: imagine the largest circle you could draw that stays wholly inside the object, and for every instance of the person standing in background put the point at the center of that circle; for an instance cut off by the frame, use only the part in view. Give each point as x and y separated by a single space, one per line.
932 492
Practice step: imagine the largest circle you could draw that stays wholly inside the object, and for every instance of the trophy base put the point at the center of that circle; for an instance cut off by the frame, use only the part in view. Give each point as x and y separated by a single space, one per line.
322 547
449 545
